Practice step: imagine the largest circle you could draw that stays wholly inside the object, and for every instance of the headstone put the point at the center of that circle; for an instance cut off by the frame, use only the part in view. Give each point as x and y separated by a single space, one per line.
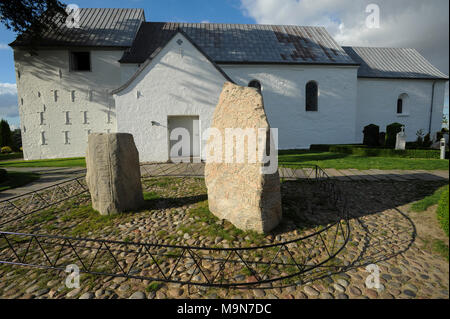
400 143
113 173
242 192
442 146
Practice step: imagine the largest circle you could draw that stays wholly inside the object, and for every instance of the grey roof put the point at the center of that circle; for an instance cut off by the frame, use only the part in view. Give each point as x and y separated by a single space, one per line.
243 43
396 63
144 65
98 27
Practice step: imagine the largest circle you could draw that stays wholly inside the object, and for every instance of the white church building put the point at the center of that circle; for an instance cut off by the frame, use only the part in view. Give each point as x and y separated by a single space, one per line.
119 73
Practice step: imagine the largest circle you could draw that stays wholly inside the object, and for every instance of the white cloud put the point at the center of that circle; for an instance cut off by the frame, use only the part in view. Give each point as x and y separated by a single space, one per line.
8 100
419 24
4 46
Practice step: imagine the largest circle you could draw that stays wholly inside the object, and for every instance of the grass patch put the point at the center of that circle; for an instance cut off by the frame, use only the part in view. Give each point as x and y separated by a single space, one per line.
213 229
345 161
42 217
151 196
441 248
153 286
17 179
423 204
59 162
89 219
442 211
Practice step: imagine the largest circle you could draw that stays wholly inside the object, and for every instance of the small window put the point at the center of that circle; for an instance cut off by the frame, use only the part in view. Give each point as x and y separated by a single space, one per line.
42 118
400 106
80 61
255 84
85 117
312 94
67 118
43 140
66 137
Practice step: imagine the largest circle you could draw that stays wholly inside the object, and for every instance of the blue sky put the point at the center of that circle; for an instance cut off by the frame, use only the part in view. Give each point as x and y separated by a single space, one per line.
338 16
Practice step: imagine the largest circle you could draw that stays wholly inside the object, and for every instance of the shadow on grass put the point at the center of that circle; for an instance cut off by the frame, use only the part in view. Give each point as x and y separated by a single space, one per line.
307 156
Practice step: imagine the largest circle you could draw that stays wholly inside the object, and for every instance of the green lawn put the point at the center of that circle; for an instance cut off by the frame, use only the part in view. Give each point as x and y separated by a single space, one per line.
322 159
344 161
60 162
17 179
423 204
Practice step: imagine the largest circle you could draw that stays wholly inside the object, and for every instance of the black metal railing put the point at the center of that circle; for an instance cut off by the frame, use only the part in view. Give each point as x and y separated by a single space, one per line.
203 266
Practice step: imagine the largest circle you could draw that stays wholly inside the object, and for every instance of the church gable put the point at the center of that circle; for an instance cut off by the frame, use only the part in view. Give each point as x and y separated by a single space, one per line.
178 83
179 59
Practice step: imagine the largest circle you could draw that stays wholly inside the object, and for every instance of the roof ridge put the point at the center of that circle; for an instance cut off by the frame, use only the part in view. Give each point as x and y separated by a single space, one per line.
376 47
226 23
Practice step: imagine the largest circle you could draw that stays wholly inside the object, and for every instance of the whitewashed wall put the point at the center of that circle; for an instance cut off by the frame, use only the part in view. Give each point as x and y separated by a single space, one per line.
178 81
377 104
283 89
37 79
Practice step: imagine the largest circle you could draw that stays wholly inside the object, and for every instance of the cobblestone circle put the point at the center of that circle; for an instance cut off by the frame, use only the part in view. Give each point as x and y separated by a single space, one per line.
383 232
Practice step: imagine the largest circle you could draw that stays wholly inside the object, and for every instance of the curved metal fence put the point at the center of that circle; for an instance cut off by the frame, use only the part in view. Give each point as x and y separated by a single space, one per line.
203 266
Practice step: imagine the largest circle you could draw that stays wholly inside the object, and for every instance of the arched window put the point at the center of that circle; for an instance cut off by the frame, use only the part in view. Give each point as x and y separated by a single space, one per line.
312 94
402 104
255 84
399 105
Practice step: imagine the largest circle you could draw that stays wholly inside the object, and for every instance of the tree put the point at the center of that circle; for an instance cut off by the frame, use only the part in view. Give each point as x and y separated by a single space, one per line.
5 134
30 18
16 140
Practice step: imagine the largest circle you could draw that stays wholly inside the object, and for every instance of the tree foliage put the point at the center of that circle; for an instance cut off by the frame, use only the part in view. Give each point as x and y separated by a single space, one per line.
5 134
30 18
16 137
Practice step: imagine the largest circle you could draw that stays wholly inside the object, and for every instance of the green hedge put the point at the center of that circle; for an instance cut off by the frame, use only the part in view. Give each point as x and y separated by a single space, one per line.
442 211
362 150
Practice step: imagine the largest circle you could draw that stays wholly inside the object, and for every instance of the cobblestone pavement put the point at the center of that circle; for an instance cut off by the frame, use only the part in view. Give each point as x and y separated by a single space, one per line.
383 233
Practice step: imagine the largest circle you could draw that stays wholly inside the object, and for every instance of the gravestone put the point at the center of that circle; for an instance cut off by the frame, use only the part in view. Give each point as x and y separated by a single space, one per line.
243 193
400 143
113 173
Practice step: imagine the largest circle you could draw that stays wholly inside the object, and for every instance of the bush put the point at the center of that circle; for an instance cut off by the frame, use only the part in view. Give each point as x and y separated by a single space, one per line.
419 140
427 140
442 211
385 152
6 150
3 175
362 150
371 134
16 140
391 134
